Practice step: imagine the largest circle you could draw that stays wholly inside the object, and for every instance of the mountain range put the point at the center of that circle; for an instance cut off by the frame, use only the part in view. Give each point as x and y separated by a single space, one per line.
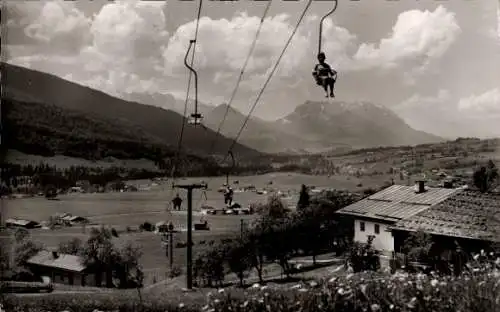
315 127
142 118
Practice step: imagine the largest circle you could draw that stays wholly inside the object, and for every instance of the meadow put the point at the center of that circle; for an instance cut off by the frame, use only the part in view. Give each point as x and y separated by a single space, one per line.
130 209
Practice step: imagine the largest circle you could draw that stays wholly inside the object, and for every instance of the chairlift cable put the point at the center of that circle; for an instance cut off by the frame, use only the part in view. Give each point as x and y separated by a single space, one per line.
242 71
235 140
250 52
270 76
181 134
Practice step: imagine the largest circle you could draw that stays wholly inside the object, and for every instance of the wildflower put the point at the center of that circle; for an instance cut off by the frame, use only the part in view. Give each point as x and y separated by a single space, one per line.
341 291
363 288
221 290
264 287
266 294
332 280
244 304
216 301
313 284
181 305
375 307
434 282
412 303
256 285
302 290
391 306
296 286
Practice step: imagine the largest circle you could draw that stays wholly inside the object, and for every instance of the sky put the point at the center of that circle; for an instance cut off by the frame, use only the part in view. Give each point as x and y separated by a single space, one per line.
435 63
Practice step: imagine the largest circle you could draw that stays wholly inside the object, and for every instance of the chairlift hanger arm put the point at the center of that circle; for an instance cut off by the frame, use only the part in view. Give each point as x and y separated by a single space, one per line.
233 164
196 115
321 24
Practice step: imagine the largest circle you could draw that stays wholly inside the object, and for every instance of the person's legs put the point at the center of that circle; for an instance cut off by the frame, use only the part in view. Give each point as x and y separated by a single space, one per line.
325 85
331 83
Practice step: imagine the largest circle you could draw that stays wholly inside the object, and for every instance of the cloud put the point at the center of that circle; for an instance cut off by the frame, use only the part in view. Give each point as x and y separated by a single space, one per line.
60 25
233 38
417 38
485 105
446 115
125 48
498 21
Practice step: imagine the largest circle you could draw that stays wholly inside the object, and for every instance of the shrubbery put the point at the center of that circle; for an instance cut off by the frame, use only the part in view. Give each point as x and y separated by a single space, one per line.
275 237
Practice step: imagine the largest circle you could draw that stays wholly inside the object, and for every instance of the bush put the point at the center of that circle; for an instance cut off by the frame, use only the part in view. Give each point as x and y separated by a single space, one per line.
146 226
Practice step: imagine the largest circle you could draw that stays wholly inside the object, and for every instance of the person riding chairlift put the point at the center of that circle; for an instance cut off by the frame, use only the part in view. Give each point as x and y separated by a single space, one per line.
228 196
324 75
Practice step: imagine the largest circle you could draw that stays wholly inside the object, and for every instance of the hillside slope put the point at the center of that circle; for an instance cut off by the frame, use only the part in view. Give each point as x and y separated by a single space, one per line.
47 130
25 85
358 124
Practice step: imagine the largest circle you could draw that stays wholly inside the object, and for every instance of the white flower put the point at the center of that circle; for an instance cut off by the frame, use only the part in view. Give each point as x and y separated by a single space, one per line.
341 291
221 290
375 307
434 282
256 285
181 305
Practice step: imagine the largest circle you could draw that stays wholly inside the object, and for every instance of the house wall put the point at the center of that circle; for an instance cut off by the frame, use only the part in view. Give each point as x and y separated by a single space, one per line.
383 241
58 276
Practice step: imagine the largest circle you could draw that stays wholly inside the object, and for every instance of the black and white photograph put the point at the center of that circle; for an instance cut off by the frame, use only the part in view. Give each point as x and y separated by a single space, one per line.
250 155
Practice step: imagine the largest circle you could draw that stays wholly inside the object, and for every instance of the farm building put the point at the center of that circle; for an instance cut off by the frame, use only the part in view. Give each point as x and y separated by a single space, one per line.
63 269
27 224
468 217
75 219
373 216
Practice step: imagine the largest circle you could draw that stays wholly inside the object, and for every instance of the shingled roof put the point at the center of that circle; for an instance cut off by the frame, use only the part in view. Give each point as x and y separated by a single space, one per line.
61 261
466 214
397 202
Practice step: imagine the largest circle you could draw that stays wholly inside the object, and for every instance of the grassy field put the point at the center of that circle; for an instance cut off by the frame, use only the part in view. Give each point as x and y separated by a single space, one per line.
121 210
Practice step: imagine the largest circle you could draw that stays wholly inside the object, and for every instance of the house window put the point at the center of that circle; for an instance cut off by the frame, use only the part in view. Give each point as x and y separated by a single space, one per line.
362 226
377 229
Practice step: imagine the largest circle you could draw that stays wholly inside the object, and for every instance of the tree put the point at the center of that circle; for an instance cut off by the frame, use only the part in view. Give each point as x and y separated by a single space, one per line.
303 198
417 246
486 177
71 247
128 269
238 258
24 247
100 253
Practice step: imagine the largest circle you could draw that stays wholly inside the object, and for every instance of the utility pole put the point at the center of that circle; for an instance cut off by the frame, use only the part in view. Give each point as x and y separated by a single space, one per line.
242 222
189 267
